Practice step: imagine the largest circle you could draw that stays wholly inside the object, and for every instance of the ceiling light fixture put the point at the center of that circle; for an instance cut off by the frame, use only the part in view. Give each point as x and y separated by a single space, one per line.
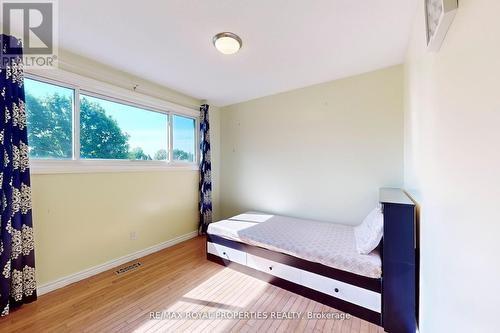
227 42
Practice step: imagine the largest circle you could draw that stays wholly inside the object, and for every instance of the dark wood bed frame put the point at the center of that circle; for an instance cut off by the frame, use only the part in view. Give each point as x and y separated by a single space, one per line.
397 285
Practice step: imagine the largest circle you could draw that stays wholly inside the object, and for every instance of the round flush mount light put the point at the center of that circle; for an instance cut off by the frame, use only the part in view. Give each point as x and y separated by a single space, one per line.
227 42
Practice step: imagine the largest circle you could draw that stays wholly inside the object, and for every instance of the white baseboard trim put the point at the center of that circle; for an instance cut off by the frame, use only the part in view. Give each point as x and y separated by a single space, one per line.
64 281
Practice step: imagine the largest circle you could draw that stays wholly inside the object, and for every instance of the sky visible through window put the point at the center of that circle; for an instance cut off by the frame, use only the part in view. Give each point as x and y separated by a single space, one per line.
40 89
147 129
183 135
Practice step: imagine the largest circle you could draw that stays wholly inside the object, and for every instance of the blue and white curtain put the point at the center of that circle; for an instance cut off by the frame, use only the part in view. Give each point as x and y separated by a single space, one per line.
17 257
205 171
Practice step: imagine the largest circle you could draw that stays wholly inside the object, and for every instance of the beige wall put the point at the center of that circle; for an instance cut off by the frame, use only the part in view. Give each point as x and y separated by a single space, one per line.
87 67
452 166
319 152
83 220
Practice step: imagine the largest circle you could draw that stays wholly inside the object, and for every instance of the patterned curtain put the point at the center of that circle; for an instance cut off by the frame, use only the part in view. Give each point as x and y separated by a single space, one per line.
17 257
205 172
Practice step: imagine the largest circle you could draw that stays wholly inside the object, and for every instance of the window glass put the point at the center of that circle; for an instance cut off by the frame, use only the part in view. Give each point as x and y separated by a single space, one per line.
110 130
49 110
183 132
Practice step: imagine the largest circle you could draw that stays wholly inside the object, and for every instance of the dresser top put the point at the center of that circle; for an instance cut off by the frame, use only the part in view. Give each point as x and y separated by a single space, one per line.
396 196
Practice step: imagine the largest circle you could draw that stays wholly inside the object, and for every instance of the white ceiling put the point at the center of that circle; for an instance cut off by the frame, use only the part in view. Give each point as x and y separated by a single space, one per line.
287 44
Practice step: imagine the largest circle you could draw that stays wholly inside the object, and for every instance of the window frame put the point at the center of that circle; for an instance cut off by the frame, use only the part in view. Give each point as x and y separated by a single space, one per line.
82 85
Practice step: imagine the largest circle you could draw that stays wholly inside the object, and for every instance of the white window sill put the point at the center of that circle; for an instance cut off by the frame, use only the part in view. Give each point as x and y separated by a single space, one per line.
43 167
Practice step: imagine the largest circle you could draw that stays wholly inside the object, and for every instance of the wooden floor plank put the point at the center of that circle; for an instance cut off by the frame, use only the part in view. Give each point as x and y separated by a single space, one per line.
175 279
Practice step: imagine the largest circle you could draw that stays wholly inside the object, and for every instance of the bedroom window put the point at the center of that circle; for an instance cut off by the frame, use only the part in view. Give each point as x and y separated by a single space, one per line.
183 139
98 127
49 110
116 131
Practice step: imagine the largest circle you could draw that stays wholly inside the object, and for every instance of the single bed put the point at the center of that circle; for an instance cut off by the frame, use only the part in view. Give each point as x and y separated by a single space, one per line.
319 260
325 243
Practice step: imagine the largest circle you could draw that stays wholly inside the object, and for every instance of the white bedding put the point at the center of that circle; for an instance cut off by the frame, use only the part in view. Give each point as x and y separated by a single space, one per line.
255 217
326 243
229 228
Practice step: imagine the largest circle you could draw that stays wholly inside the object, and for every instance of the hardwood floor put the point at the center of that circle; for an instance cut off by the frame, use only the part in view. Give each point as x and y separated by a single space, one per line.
178 280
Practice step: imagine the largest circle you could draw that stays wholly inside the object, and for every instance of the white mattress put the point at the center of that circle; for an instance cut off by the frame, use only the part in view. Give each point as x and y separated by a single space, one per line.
229 228
326 243
255 217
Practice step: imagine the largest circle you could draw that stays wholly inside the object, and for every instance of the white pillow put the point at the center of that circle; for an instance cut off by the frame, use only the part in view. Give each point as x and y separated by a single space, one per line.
369 233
